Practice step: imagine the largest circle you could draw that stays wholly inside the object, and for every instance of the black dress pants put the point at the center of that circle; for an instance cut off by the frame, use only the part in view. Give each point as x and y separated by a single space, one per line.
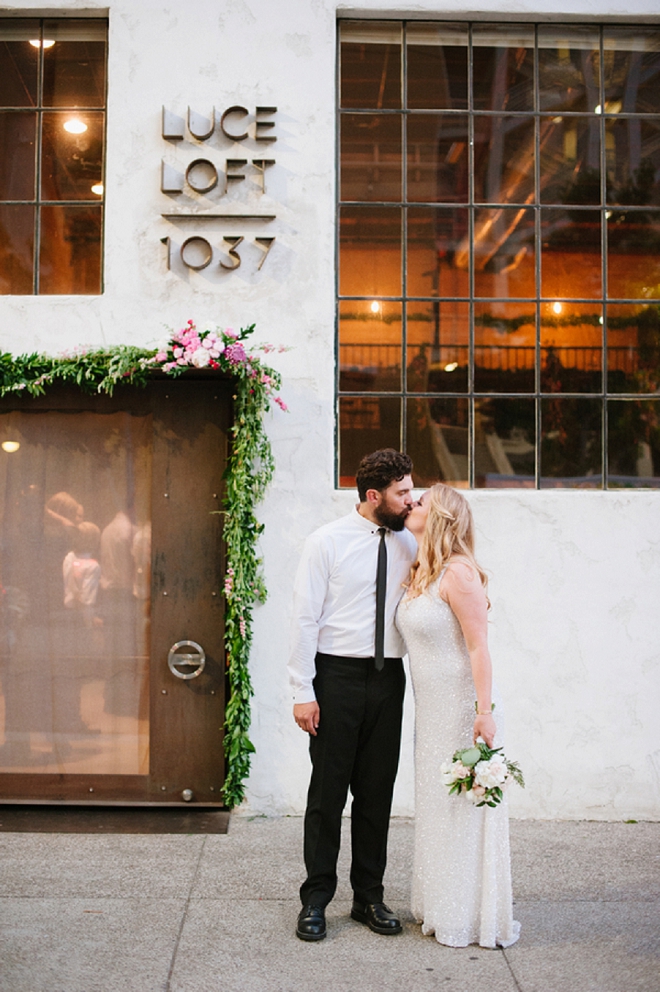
357 746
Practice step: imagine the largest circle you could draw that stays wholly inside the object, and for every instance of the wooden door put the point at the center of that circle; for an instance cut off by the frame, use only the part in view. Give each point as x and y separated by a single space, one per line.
111 623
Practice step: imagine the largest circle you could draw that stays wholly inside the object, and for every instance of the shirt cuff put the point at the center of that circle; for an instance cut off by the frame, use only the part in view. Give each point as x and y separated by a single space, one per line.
304 696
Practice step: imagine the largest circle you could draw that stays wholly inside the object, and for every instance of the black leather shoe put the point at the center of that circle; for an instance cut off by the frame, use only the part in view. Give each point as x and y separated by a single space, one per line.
311 923
377 916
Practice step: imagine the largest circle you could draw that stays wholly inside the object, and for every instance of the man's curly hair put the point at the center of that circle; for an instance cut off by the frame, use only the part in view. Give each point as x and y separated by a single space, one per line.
379 469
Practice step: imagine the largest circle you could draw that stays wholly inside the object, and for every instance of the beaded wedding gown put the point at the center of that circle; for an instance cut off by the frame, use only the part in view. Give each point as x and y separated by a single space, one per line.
461 888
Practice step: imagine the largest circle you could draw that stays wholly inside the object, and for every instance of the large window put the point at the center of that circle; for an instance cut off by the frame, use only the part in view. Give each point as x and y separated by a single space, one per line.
52 125
499 252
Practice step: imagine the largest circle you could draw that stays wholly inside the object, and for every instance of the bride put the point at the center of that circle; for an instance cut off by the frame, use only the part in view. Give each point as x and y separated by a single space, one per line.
462 876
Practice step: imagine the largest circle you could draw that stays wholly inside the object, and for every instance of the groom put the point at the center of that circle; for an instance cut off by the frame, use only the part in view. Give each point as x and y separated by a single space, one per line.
348 682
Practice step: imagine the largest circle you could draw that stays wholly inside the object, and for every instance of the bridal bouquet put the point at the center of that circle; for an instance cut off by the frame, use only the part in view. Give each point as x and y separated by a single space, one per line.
480 773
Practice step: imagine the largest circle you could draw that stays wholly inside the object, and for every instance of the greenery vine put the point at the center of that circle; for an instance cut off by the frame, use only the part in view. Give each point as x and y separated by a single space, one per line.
248 472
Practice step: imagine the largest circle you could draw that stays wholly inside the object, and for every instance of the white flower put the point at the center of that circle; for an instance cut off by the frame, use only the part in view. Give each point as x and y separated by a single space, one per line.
490 773
164 343
210 326
200 358
476 793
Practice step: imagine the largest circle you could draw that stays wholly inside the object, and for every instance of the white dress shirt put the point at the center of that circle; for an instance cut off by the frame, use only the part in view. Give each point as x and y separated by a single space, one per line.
334 599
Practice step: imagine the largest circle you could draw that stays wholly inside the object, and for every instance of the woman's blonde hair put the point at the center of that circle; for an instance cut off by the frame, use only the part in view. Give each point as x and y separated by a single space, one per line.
449 534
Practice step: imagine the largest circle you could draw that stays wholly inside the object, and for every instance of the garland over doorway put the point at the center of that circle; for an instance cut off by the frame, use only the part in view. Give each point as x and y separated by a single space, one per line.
249 470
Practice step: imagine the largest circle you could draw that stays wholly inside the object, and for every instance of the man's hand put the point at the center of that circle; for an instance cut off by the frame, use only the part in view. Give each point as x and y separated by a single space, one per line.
307 716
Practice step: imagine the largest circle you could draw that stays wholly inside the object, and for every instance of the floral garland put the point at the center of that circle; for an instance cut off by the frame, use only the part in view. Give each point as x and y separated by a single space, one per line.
249 470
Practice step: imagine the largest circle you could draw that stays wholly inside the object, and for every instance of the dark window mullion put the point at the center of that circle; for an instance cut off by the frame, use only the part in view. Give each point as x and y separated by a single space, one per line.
404 234
470 383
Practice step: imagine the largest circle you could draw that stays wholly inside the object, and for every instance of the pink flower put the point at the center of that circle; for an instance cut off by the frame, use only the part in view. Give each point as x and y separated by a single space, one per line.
161 356
177 352
235 354
282 405
241 626
231 333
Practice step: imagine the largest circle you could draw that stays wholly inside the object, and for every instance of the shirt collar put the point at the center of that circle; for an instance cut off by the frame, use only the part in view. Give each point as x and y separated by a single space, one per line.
365 524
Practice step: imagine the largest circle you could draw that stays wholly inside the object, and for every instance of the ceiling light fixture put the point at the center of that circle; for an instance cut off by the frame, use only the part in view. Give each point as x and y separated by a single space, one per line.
47 42
75 126
10 446
98 189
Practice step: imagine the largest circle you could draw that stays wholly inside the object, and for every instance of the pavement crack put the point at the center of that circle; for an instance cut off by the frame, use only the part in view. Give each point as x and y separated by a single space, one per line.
511 971
168 982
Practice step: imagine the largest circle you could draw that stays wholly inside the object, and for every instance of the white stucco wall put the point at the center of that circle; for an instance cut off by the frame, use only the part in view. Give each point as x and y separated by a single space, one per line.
575 629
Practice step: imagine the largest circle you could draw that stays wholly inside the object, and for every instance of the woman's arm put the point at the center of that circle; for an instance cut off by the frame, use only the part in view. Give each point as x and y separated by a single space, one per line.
461 588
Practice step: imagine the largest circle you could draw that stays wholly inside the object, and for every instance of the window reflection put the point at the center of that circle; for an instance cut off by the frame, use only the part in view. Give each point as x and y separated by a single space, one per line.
370 64
75 592
370 341
504 347
19 61
571 347
49 155
571 449
633 348
370 251
632 69
504 159
370 157
438 255
439 440
504 252
437 158
503 67
633 161
633 241
504 448
365 424
437 66
438 350
571 260
633 447
569 74
570 160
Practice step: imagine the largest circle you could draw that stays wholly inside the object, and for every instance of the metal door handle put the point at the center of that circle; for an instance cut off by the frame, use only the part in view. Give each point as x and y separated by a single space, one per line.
186 659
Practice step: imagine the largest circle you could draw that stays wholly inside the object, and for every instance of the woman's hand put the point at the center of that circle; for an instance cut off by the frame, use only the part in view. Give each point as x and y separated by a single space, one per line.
484 726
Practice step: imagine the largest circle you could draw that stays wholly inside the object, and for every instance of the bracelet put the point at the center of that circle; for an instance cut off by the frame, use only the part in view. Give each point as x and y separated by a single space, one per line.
487 713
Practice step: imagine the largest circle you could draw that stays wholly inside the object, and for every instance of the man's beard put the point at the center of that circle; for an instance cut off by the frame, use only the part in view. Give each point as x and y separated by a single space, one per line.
388 518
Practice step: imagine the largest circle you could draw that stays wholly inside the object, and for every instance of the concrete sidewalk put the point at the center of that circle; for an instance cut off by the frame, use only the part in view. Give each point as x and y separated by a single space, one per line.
164 913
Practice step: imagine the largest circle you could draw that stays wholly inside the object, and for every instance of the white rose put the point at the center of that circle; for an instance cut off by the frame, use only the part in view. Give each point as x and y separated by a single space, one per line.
489 773
210 326
200 358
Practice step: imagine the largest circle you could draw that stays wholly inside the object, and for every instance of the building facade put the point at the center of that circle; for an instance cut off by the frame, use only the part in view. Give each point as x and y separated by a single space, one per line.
451 220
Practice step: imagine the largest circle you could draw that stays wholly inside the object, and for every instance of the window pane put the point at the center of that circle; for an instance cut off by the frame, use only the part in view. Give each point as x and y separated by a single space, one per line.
18 62
370 341
633 253
632 70
570 160
438 252
569 77
438 350
16 248
17 150
633 348
570 254
504 159
633 448
437 66
633 161
370 157
571 347
504 347
503 67
74 67
438 439
504 449
571 434
70 257
71 163
504 255
366 423
370 64
370 251
437 158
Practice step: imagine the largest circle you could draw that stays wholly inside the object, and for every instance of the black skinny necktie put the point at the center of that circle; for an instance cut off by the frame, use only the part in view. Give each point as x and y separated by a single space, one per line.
381 589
